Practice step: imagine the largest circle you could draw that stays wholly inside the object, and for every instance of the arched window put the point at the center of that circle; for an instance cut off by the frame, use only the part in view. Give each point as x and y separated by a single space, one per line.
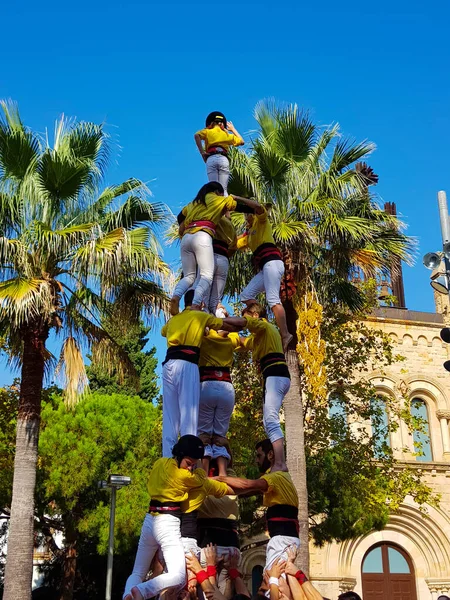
257 577
380 426
422 441
337 412
386 570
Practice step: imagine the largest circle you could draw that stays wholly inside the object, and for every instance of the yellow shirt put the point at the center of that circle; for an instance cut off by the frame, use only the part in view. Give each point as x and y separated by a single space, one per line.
217 351
209 487
216 136
281 489
265 338
168 483
259 233
225 232
211 211
188 327
226 507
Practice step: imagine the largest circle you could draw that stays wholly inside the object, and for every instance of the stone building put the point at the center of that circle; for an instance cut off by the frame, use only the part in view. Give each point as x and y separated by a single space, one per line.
410 558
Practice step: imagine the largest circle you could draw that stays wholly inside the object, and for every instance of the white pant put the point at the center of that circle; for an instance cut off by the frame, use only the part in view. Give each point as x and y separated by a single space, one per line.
215 410
161 531
221 266
196 250
181 394
218 169
190 545
275 389
276 548
222 552
268 280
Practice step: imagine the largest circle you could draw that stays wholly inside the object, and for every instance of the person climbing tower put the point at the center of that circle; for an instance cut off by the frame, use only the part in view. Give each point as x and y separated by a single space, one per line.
213 143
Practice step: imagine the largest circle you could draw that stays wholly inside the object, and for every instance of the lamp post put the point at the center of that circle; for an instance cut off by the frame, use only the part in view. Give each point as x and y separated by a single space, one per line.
114 482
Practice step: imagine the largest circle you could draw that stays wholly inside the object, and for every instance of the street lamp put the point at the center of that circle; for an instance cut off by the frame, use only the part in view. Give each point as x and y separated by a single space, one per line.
114 482
439 262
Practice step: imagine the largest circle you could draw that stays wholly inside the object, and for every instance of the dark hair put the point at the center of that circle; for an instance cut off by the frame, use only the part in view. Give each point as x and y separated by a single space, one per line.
265 445
208 188
189 298
190 446
443 597
217 117
257 308
241 597
349 596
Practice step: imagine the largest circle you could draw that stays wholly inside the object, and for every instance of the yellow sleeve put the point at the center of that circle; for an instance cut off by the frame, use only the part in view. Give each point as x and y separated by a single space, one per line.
202 133
242 242
262 218
211 487
231 203
236 141
164 330
214 323
255 325
269 479
248 342
234 339
190 480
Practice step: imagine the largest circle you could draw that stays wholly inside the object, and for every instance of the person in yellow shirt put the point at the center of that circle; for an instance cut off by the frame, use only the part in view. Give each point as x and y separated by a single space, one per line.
216 395
266 347
279 496
267 258
180 376
170 482
197 231
213 143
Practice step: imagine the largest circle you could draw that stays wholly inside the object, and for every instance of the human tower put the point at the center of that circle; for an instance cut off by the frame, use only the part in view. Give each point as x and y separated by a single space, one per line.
193 490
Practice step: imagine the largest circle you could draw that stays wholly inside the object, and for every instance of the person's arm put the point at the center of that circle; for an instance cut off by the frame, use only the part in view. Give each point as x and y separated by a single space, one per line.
300 587
211 563
164 330
250 202
275 573
246 486
202 576
233 324
198 137
296 588
235 575
232 128
255 325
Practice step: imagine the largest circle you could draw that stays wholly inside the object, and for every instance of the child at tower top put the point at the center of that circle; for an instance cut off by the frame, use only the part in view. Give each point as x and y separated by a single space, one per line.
213 143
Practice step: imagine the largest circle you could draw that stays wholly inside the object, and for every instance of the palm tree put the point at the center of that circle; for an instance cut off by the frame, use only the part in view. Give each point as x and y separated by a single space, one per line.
327 226
68 253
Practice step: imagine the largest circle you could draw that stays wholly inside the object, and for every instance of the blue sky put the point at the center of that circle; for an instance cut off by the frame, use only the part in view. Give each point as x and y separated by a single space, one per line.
152 71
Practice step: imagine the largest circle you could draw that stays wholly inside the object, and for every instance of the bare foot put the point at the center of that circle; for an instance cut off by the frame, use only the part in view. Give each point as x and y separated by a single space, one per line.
136 594
286 341
279 467
174 306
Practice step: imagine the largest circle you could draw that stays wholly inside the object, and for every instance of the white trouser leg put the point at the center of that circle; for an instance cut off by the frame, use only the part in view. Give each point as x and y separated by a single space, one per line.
253 288
188 263
204 255
218 169
215 410
275 389
147 548
190 545
181 392
276 548
166 534
273 271
221 266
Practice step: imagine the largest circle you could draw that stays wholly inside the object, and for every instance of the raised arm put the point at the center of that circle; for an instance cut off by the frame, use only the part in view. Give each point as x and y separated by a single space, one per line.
246 486
199 144
233 129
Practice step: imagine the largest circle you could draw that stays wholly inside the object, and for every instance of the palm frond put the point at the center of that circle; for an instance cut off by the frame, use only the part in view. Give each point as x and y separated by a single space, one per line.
19 148
71 365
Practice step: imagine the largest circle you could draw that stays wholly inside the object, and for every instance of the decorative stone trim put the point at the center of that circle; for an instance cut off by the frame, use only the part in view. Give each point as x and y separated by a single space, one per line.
347 584
441 586
443 414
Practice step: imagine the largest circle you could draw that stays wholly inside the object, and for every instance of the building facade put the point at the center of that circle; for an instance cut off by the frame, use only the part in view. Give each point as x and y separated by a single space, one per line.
410 558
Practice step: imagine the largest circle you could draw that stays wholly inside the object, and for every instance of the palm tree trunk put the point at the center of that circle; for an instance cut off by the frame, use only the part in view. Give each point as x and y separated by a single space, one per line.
295 439
19 560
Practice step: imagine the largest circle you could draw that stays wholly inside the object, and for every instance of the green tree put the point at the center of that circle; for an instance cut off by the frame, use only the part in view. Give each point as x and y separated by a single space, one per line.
329 229
103 434
67 250
132 339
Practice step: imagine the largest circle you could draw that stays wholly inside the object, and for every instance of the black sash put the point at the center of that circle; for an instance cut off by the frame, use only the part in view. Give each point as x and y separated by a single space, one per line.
189 353
265 253
165 508
215 374
282 519
220 247
269 369
189 524
222 532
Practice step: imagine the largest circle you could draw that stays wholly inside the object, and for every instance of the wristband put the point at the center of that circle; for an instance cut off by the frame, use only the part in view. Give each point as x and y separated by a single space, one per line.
234 574
211 571
301 577
274 581
202 576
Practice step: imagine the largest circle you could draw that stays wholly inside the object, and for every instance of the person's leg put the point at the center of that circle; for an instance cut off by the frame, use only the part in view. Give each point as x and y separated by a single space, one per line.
212 168
188 398
222 416
166 529
223 167
171 406
275 389
205 260
189 266
206 410
221 266
273 271
147 548
252 289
